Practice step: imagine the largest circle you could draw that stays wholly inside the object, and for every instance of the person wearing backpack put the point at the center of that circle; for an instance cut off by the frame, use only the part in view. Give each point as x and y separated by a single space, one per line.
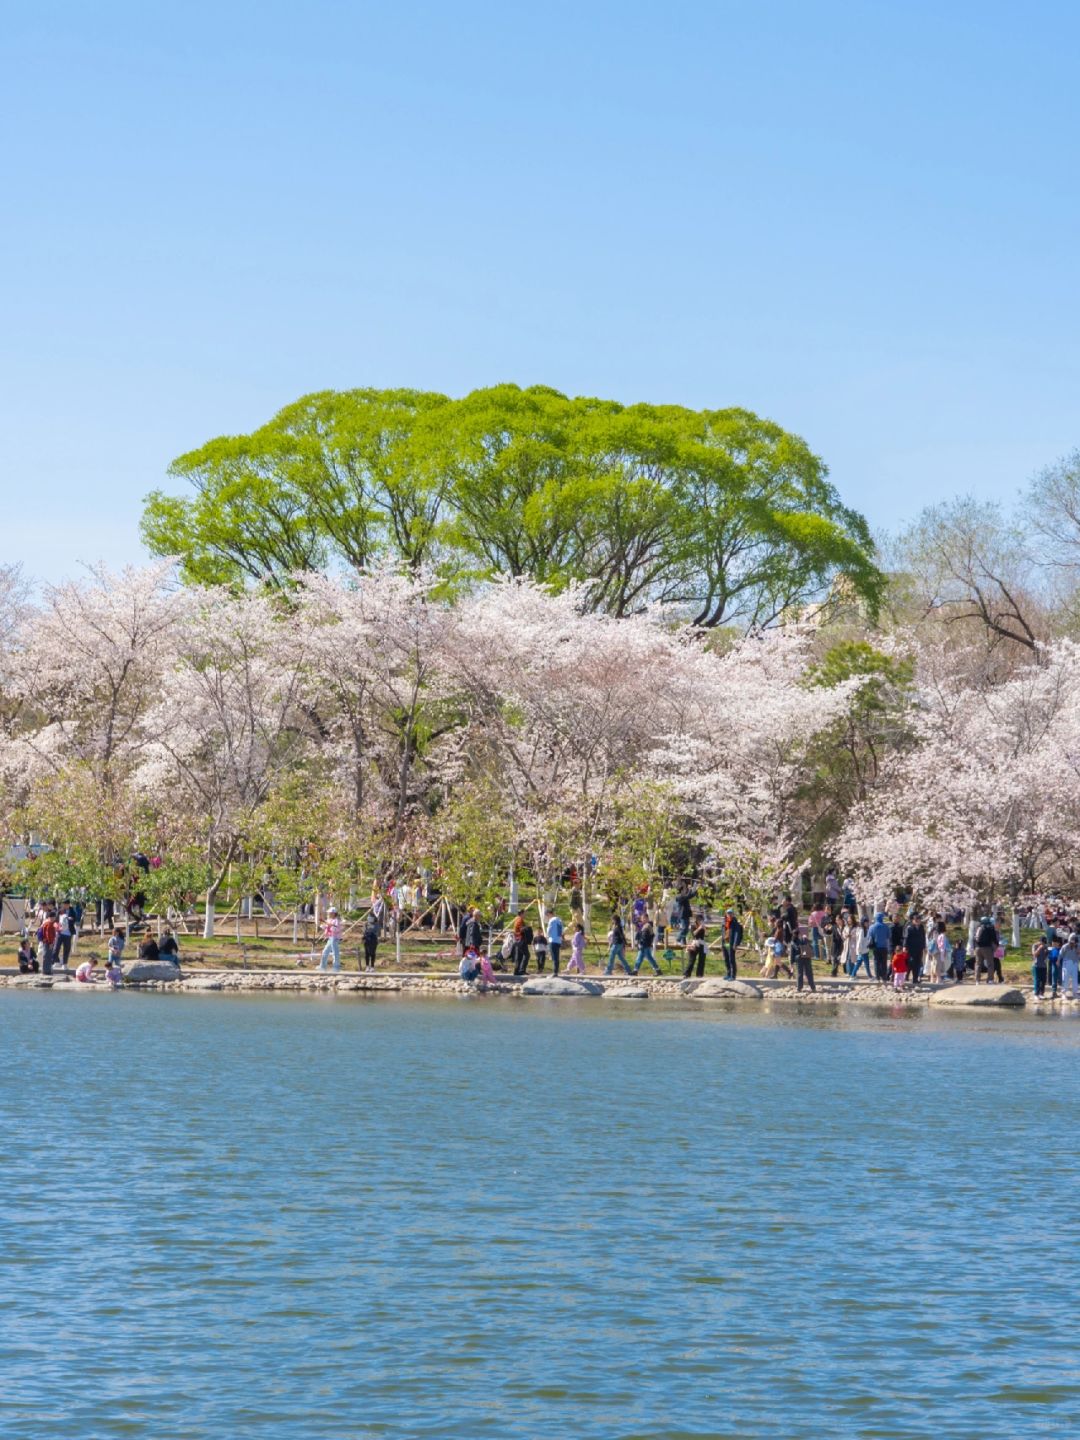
986 943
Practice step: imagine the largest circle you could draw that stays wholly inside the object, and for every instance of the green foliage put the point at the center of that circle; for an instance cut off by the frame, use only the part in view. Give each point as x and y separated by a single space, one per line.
719 512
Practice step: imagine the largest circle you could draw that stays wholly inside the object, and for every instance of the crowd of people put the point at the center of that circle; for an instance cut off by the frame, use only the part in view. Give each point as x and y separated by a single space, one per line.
50 932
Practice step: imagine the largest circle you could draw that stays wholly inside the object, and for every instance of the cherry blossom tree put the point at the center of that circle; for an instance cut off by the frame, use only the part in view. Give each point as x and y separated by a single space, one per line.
229 721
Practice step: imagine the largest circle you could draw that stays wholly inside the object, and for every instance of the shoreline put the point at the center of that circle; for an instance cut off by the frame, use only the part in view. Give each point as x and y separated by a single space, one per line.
746 993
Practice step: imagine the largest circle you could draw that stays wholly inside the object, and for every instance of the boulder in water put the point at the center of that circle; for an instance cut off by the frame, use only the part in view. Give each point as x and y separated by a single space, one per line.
983 996
556 985
627 992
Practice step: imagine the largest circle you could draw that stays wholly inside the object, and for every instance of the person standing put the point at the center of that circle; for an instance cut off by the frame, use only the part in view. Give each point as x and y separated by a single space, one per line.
680 913
880 944
1040 955
900 964
48 933
832 891
645 940
555 932
65 925
915 946
789 917
333 930
802 955
617 946
696 949
523 939
732 939
986 942
371 940
1070 968
816 921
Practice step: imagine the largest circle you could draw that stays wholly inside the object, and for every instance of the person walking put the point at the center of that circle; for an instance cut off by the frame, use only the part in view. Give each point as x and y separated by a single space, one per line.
333 929
856 949
696 949
645 940
576 962
616 939
732 939
555 941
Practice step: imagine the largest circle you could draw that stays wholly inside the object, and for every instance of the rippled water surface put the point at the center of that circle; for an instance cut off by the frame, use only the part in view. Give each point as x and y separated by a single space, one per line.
342 1218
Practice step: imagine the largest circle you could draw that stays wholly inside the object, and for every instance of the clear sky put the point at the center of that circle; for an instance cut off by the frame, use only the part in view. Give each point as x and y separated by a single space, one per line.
861 219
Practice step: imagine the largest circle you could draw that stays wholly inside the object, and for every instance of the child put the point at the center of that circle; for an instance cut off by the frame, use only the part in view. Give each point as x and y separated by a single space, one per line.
959 961
84 973
900 961
114 974
28 962
577 951
116 946
487 974
540 949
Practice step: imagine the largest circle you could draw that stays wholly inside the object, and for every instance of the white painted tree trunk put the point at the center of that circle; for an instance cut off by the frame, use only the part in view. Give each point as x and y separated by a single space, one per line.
208 919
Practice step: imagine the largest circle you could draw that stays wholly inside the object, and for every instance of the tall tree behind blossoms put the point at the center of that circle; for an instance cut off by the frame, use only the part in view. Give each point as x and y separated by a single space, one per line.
986 804
229 722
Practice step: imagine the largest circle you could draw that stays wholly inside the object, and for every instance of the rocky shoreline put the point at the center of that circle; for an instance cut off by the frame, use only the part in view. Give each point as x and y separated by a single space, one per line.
624 988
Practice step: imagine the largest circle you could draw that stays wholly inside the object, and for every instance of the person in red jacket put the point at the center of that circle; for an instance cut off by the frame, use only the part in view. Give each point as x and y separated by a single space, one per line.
900 965
47 935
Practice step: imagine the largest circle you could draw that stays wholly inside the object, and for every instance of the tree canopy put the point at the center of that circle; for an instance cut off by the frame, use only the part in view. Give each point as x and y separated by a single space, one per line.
719 512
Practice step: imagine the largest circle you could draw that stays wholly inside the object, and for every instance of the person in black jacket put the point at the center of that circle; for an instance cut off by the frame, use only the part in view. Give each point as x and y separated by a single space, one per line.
733 938
521 949
696 949
471 931
915 945
986 943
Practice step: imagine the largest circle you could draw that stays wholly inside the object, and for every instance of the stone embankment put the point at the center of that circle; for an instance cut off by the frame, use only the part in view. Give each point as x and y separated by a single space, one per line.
166 978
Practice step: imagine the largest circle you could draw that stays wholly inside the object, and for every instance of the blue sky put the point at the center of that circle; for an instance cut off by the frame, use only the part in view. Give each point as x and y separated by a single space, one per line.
860 219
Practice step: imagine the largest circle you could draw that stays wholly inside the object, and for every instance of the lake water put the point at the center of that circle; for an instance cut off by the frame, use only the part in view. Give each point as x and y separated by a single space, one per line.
247 1217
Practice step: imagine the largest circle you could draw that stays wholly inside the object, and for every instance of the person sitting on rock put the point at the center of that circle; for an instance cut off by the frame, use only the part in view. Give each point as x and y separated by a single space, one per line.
148 950
28 961
168 946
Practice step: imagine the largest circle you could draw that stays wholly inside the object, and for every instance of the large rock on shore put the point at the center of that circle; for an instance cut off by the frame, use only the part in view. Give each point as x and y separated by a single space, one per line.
715 988
139 972
550 985
967 996
627 992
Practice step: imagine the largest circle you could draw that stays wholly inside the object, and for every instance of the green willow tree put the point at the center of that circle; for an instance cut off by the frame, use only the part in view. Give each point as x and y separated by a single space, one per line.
721 513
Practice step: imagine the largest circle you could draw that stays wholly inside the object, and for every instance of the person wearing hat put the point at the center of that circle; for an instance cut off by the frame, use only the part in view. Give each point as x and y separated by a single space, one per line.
333 930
